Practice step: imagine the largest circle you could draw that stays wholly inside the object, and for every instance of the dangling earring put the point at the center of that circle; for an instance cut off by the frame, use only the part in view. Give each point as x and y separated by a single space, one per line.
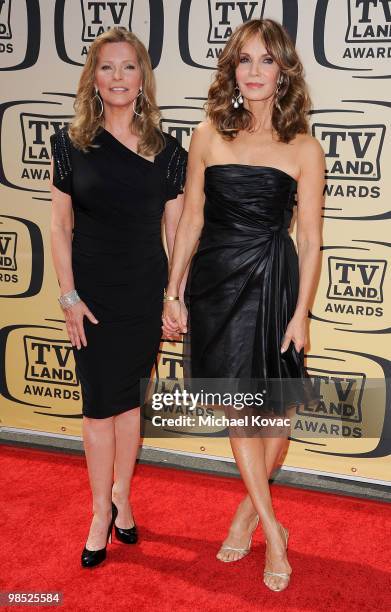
237 97
277 92
140 93
97 96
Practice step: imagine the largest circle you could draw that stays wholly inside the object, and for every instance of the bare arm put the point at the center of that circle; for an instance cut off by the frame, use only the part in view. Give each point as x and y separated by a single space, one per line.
192 219
172 214
309 231
61 243
61 237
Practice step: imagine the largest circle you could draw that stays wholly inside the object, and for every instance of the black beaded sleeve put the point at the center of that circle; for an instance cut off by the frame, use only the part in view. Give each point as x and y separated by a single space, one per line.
62 167
175 167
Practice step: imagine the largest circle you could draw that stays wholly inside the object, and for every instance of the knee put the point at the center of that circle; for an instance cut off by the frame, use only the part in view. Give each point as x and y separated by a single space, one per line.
98 424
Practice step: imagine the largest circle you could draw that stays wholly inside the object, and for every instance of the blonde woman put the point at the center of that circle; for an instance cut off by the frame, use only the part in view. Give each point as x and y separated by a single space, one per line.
115 175
248 289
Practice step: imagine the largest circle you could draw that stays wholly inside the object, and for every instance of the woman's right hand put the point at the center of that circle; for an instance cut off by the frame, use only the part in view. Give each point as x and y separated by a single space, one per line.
174 319
74 322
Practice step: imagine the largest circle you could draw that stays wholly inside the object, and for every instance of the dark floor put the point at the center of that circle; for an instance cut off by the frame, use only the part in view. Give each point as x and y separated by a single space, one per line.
202 464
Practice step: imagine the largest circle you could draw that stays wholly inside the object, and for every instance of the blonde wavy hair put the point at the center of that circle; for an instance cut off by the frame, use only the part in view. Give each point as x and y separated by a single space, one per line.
290 110
87 121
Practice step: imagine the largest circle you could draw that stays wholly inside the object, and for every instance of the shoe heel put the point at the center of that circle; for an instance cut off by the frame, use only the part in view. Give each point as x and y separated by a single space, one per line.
114 513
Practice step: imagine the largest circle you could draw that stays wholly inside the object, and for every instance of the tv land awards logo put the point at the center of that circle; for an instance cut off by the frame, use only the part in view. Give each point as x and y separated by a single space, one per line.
354 290
20 33
355 402
78 24
44 374
21 258
215 20
25 130
49 361
36 132
356 147
354 35
339 409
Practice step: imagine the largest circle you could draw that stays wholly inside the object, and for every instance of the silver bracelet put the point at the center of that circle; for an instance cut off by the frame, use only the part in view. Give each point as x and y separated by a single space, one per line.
69 299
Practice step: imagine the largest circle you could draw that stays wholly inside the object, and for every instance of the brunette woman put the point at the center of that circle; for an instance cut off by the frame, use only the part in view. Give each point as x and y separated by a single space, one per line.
248 289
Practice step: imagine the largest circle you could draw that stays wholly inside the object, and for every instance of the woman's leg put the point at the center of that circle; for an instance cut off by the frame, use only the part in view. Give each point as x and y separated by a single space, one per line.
249 455
127 440
99 447
245 518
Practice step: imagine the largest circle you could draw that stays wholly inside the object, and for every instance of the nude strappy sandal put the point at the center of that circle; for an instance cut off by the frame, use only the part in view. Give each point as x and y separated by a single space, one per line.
243 551
279 574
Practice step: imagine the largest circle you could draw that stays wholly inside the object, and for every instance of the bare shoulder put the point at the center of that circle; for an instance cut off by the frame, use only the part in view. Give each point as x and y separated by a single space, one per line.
308 148
204 131
202 138
310 158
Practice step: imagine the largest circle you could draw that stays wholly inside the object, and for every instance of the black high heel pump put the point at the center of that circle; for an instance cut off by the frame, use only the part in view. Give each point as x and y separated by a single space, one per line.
127 536
90 558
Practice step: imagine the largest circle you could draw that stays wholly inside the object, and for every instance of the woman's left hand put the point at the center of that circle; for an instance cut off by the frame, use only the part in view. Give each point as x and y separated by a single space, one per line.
297 332
174 320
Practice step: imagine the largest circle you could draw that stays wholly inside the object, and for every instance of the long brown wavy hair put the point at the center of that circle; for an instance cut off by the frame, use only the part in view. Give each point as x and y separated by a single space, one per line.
290 110
87 121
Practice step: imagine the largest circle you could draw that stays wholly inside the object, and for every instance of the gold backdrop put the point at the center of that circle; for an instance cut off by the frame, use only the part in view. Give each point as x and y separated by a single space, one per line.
345 46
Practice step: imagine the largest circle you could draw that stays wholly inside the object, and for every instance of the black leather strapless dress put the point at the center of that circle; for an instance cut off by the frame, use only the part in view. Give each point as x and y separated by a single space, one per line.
244 279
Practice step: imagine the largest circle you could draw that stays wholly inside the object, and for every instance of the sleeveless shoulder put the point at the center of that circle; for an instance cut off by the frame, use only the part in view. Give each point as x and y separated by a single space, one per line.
62 165
173 161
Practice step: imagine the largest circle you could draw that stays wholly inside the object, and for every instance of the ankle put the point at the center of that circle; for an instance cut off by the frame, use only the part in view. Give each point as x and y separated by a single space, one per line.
120 495
273 531
243 526
246 511
100 519
121 502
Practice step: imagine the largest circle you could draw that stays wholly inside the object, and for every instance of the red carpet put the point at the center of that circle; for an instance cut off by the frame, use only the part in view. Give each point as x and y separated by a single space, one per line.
339 547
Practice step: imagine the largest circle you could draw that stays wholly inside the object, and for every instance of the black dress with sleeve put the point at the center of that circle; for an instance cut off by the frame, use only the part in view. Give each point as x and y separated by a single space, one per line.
118 260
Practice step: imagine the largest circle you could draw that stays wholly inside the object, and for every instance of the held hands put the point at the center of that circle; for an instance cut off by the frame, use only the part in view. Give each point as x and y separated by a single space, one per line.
174 320
74 322
297 332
